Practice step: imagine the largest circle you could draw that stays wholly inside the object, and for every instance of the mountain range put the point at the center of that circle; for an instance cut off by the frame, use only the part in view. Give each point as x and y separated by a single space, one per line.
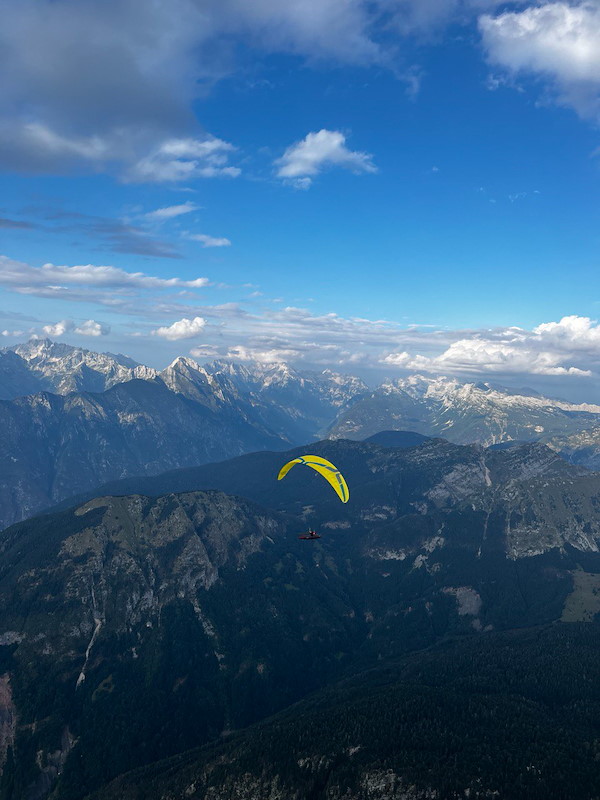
451 599
74 419
100 417
41 365
468 412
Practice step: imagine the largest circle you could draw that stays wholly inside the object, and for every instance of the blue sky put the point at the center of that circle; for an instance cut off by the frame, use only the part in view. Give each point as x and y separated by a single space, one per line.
393 186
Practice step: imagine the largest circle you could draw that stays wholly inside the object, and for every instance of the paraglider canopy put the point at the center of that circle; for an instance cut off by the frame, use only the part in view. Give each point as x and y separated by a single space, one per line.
325 468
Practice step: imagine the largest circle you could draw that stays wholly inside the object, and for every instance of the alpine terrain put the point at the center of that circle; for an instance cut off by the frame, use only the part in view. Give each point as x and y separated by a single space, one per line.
455 592
101 417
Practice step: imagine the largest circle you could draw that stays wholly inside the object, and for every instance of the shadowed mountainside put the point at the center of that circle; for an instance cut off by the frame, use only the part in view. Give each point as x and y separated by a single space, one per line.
135 628
507 715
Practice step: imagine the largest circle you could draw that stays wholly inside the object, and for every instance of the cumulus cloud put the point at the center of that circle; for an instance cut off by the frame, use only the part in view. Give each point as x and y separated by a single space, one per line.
570 333
182 329
20 276
479 356
12 333
88 328
273 355
59 328
554 40
92 328
170 212
209 241
296 334
568 347
317 151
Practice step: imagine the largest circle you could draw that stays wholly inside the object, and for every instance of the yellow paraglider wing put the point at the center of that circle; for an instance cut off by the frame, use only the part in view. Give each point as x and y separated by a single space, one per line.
325 468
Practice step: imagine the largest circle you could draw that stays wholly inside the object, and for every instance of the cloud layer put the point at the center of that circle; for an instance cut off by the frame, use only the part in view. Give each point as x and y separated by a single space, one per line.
112 85
113 82
569 347
21 277
170 309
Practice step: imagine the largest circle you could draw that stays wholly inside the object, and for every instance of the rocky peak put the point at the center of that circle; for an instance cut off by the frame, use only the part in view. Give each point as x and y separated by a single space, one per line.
185 376
62 368
183 366
41 348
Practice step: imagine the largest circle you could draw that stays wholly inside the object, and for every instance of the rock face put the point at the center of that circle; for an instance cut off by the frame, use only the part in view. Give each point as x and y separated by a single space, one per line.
296 406
134 628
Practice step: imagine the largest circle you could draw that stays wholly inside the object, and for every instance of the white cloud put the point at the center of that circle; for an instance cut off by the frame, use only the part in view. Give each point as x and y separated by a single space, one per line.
555 40
92 328
20 276
480 356
103 84
209 241
12 333
301 183
182 329
88 328
123 98
569 347
185 159
59 329
305 159
170 212
571 333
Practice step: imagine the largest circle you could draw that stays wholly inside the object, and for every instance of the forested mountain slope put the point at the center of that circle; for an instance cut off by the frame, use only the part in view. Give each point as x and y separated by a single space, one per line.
135 628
